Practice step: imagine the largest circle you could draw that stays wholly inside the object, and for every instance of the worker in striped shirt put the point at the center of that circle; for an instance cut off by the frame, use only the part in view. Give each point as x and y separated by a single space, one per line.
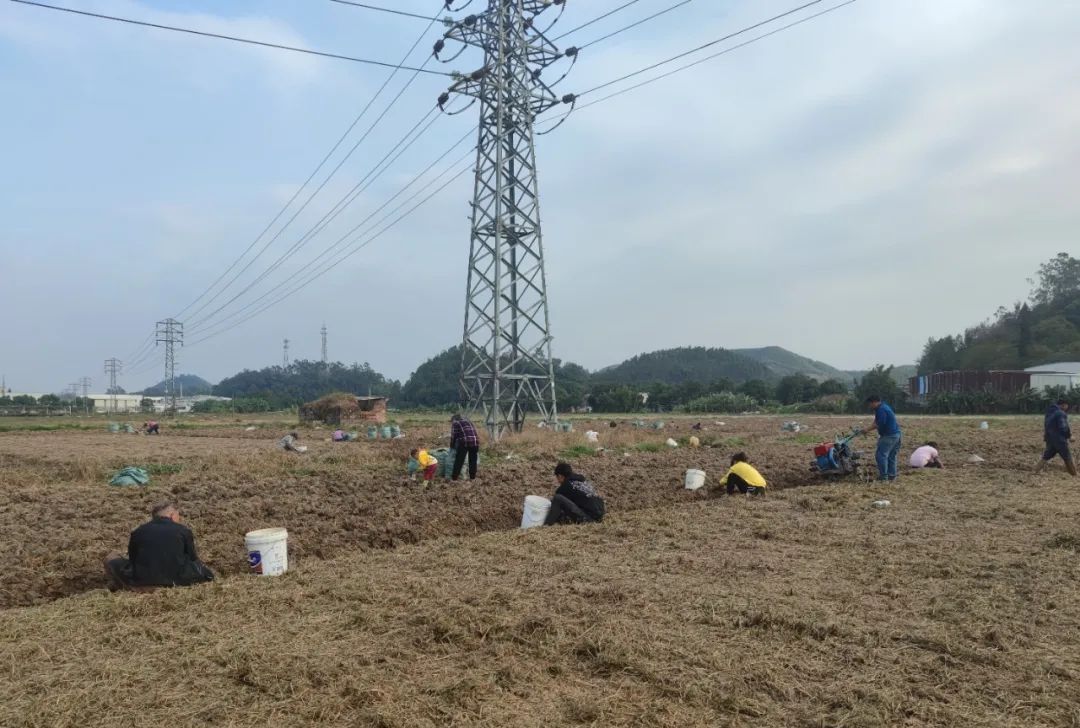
464 442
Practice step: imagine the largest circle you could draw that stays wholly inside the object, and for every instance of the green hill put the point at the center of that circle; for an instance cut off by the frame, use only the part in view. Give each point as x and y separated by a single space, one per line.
686 364
785 363
188 384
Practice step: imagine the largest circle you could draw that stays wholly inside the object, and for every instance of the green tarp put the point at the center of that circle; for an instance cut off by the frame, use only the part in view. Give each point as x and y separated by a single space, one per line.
131 476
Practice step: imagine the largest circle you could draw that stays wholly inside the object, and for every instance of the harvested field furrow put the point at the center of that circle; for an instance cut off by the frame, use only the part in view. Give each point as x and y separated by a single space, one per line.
58 516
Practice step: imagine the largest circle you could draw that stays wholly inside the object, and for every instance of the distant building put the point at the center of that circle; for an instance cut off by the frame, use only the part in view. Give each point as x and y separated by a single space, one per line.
1060 374
120 403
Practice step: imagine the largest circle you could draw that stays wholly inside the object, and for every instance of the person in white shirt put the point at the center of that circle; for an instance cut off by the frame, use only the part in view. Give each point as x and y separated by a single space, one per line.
926 456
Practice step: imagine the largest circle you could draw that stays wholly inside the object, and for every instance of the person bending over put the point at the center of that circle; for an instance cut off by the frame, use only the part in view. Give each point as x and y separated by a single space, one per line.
576 499
464 441
160 553
744 476
926 456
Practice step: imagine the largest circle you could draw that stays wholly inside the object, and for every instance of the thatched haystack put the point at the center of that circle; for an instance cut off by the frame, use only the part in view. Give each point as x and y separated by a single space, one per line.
340 407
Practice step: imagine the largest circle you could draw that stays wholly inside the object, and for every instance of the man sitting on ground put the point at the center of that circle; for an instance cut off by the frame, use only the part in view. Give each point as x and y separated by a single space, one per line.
927 456
575 500
160 553
744 476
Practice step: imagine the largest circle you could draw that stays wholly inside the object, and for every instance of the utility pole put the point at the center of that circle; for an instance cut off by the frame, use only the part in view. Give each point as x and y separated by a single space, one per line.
170 332
85 383
285 355
325 361
506 363
112 370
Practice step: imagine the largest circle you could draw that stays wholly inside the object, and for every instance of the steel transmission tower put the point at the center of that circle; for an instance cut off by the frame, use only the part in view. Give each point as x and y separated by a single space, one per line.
170 332
325 361
285 354
506 349
112 371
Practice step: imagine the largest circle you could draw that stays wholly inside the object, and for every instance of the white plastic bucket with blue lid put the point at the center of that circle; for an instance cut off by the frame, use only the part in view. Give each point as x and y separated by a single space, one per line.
268 551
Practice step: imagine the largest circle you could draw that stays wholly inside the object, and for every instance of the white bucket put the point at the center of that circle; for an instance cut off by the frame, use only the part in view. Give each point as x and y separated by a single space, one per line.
535 511
592 436
671 443
268 551
695 479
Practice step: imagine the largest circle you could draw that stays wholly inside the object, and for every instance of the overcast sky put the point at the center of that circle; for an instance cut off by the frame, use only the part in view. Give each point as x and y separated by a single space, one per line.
888 172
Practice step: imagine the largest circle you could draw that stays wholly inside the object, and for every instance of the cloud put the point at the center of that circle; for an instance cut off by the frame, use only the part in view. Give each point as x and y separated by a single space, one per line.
846 189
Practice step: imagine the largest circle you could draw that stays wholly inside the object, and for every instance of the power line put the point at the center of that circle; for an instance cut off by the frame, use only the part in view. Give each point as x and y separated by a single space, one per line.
635 24
359 226
701 47
328 217
672 72
595 20
356 249
323 184
383 10
220 36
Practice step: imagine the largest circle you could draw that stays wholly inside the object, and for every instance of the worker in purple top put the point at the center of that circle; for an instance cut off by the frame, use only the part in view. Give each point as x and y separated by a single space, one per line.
889 438
465 442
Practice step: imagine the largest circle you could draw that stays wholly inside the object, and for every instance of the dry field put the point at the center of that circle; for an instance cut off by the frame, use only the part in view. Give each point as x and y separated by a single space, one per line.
956 605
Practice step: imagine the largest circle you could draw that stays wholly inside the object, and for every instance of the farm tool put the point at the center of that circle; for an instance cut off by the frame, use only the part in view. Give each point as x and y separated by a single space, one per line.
837 459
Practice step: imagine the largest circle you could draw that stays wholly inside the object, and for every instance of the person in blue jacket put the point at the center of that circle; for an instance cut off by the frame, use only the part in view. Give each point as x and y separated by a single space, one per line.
1056 433
889 438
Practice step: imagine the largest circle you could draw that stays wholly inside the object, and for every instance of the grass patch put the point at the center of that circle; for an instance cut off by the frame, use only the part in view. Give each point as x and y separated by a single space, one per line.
577 451
805 438
734 442
650 447
48 428
1069 541
162 468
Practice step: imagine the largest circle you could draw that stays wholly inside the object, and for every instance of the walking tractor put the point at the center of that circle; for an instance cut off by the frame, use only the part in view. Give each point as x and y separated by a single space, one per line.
837 459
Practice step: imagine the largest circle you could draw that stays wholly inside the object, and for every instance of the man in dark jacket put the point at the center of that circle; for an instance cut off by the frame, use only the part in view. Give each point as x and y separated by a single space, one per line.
160 553
1056 433
575 500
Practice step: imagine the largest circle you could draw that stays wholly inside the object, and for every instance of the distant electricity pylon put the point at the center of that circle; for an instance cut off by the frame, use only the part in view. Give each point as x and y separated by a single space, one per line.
285 354
170 332
325 360
113 368
506 363
84 384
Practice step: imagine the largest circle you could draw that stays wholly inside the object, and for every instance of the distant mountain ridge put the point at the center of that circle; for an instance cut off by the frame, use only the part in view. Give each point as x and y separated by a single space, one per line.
785 363
188 384
686 364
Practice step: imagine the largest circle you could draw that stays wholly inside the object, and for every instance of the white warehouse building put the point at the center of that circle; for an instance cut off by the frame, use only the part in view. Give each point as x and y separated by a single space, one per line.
120 403
1059 374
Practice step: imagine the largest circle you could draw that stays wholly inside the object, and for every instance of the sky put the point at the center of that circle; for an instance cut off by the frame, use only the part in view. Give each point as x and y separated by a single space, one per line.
888 172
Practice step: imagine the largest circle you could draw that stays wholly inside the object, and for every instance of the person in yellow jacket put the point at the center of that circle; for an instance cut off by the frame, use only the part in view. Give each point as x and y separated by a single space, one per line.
743 476
428 463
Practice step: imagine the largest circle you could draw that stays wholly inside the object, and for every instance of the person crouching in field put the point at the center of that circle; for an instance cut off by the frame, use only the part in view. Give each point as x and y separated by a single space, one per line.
426 463
1056 434
160 553
926 456
744 476
289 443
576 499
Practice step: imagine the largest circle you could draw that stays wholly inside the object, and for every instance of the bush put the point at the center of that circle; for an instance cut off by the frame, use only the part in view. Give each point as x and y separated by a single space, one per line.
727 402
